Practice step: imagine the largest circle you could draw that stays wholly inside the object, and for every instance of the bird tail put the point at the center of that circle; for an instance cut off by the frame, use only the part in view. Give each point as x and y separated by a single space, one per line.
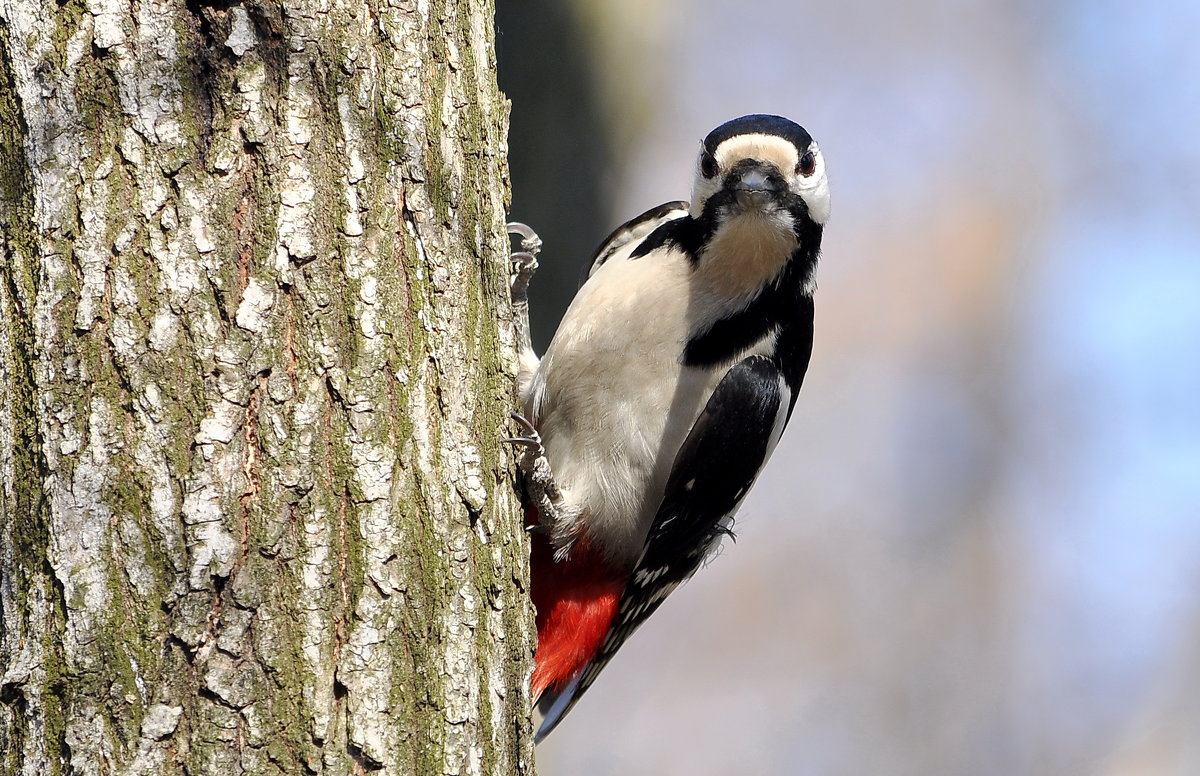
576 601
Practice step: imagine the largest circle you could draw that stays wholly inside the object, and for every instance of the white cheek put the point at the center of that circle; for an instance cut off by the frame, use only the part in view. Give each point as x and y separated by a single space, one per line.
701 191
815 190
816 197
700 194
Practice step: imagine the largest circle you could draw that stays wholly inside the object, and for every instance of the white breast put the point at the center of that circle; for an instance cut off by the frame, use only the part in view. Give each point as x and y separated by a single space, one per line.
612 401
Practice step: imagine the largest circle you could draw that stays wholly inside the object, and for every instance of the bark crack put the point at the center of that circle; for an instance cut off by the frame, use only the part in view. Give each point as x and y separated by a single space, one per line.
208 638
250 470
292 360
343 573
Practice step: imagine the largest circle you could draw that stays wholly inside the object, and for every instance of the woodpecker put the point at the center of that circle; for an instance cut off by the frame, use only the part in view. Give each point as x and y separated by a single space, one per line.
663 392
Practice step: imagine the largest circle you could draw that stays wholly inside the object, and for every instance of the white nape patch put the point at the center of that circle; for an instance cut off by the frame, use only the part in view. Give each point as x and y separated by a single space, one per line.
813 189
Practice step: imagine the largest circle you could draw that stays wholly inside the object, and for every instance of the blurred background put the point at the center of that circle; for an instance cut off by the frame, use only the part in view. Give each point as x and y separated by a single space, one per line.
977 549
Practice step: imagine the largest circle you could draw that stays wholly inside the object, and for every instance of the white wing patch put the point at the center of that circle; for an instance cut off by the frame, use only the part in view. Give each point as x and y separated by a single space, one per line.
656 596
648 576
781 416
625 240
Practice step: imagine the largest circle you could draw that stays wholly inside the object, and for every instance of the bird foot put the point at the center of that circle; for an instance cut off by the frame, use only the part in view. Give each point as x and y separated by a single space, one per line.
524 261
557 517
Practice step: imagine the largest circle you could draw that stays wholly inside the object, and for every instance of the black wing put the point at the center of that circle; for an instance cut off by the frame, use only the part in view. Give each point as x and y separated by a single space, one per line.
715 467
635 230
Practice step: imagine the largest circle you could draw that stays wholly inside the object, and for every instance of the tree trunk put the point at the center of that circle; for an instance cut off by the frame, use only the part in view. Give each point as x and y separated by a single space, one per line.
257 358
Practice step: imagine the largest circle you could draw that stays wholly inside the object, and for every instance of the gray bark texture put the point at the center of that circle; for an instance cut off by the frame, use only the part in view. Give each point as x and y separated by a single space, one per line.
257 357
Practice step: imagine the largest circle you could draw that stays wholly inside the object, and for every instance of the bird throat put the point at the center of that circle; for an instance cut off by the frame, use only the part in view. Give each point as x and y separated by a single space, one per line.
746 254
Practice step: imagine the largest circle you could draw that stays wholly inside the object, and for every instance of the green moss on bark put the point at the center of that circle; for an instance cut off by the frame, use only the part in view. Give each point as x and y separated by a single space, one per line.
289 497
24 507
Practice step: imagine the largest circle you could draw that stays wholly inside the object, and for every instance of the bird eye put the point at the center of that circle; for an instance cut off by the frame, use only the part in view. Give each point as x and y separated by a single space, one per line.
708 165
807 164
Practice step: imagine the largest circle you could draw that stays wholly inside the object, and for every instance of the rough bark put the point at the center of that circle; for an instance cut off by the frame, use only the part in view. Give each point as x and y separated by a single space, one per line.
255 513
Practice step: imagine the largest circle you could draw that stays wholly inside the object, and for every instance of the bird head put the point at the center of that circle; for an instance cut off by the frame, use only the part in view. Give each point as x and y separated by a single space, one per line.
757 166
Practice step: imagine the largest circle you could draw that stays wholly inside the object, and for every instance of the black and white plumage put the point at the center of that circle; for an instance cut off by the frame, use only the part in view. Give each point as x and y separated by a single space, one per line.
665 390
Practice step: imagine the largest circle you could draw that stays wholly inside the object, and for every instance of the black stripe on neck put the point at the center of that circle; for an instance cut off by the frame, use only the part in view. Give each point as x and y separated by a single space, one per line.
687 233
776 305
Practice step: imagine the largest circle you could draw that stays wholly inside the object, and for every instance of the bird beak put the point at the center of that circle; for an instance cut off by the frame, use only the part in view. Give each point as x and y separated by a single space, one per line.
756 187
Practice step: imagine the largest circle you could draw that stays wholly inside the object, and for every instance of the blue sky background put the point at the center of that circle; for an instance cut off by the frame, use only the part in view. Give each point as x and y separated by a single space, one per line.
977 549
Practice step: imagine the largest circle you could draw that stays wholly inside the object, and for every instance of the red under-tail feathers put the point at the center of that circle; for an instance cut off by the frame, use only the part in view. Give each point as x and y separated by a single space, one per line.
576 600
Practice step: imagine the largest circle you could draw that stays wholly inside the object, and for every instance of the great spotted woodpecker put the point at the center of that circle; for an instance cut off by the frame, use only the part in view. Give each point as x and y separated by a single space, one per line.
663 393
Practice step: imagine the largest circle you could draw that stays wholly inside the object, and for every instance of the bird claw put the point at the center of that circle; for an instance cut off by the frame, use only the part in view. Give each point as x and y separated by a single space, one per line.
529 239
556 515
532 441
526 424
525 261
533 446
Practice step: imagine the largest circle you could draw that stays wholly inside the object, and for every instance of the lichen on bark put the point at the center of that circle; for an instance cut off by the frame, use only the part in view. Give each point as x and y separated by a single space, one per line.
255 345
